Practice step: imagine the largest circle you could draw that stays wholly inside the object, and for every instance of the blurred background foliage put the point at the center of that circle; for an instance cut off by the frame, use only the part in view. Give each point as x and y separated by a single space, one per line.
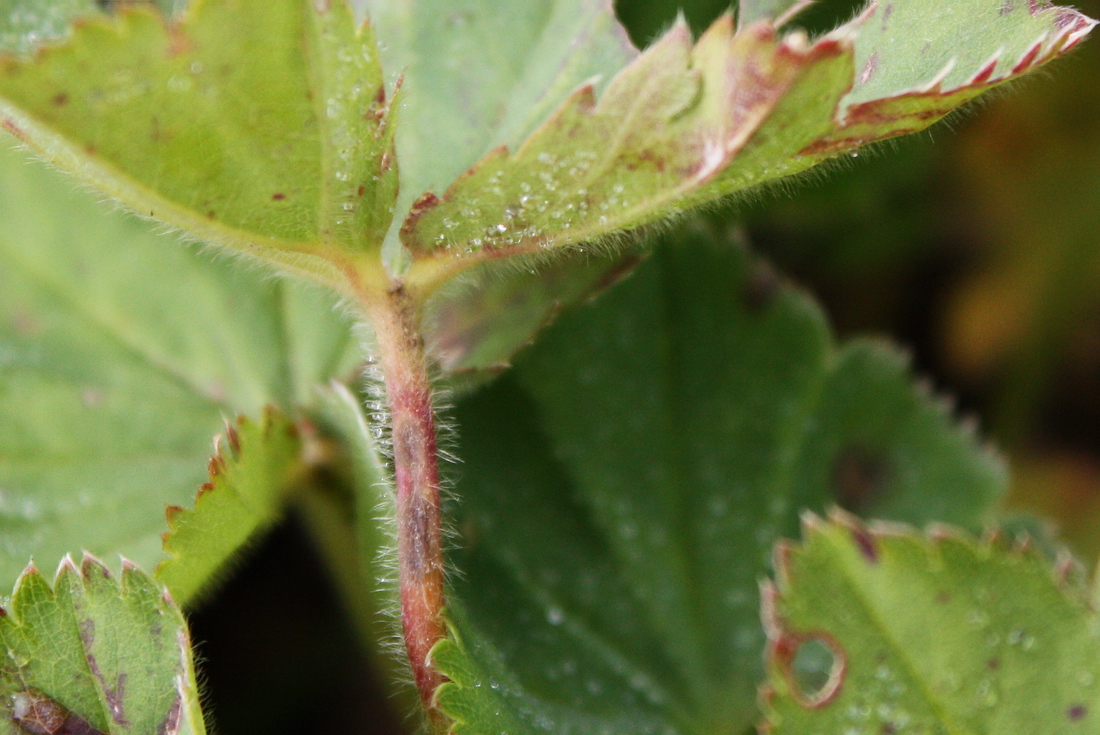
976 245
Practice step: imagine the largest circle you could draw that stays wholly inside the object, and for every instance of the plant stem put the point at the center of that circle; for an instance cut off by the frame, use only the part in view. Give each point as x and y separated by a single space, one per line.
404 365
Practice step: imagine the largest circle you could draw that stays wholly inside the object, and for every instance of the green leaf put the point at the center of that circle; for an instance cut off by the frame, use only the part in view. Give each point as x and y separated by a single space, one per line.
622 488
253 466
24 24
475 329
120 357
750 11
254 124
519 61
930 634
95 655
491 71
682 124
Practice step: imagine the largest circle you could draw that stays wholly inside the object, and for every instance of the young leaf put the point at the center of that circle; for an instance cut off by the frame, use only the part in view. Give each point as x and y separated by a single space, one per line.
97 656
520 60
621 490
254 124
927 634
255 463
682 125
120 356
478 76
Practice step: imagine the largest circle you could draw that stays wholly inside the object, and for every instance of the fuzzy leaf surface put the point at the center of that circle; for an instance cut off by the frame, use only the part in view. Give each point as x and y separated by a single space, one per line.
474 329
494 72
116 372
937 634
688 123
96 655
622 487
254 464
256 124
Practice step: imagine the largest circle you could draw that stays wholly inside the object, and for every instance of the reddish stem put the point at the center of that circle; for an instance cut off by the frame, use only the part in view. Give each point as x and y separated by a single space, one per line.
416 475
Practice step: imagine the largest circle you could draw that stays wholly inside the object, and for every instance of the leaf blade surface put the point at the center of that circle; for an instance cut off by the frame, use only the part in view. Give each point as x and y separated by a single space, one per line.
622 487
940 634
116 371
96 655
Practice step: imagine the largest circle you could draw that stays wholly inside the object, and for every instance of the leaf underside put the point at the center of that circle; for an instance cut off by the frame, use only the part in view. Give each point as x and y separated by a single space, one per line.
932 634
622 487
95 655
121 354
684 124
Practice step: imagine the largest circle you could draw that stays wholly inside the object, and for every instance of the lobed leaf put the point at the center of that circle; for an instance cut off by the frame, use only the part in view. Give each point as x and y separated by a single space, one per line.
120 356
258 125
622 487
95 655
253 467
682 125
928 634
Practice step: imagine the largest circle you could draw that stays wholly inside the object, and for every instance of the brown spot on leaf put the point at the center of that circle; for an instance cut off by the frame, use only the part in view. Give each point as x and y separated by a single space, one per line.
171 723
1077 712
422 206
87 632
861 479
865 542
60 99
278 196
1008 7
38 714
178 42
361 190
113 695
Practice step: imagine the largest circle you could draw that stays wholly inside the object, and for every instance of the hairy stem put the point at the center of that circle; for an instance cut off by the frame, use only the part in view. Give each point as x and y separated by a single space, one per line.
416 475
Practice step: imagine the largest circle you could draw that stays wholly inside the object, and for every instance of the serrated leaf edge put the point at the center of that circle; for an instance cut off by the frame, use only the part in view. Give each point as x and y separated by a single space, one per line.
1064 573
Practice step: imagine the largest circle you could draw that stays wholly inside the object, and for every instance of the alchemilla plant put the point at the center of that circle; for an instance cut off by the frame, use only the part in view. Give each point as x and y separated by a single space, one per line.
438 180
